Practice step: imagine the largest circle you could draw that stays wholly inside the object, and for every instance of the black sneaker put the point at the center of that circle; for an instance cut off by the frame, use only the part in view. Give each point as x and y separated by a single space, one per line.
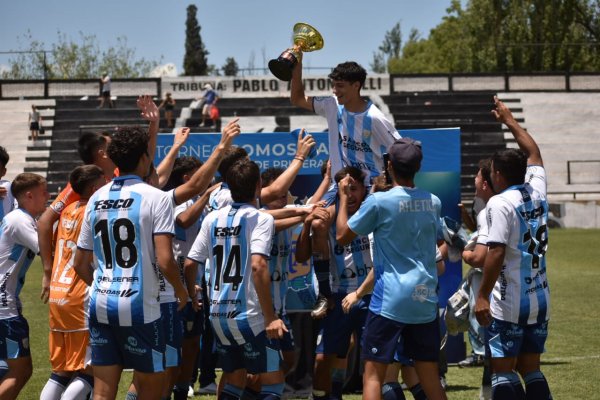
320 309
474 360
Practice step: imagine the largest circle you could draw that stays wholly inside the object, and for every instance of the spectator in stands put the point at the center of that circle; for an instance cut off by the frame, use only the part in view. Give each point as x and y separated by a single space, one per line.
169 104
209 98
106 83
360 133
35 120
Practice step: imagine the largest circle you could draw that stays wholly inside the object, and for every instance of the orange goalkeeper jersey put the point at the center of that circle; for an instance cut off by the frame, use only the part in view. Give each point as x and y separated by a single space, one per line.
68 301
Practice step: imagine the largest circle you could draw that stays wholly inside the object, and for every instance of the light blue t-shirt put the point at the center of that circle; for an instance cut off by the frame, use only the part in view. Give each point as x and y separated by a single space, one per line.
405 224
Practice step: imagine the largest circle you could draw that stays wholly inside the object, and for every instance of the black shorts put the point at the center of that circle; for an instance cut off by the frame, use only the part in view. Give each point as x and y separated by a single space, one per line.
34 126
106 94
381 336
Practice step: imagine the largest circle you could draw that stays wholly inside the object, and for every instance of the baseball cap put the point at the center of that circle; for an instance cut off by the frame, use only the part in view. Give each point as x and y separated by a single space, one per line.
406 152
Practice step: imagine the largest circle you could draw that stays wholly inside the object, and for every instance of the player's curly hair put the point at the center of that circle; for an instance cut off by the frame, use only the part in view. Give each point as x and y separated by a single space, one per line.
127 146
242 178
512 165
355 173
349 71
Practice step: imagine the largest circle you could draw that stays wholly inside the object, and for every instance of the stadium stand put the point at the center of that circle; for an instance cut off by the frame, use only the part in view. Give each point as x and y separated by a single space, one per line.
481 135
14 132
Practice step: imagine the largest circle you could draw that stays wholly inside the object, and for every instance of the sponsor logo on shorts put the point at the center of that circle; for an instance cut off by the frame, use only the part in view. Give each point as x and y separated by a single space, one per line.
249 352
95 337
131 346
374 350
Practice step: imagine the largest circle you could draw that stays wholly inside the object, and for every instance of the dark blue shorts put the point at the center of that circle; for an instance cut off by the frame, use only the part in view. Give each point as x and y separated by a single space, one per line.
509 340
256 356
399 357
14 338
286 343
140 347
193 321
173 330
337 327
382 335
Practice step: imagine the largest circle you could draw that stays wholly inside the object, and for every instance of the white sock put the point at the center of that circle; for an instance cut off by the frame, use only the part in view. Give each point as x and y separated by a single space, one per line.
78 389
53 389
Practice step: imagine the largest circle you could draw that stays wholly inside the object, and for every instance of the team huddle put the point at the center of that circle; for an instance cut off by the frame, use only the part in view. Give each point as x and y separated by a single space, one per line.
134 255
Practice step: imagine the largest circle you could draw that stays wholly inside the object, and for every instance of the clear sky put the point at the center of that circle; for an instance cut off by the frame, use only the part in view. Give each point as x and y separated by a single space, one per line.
243 29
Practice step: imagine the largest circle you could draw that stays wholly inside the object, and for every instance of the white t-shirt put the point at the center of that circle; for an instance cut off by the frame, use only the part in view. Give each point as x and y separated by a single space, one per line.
18 247
356 139
517 218
120 222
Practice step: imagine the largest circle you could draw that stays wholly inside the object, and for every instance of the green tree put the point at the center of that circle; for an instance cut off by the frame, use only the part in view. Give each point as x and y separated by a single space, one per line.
378 63
507 36
195 61
75 59
230 68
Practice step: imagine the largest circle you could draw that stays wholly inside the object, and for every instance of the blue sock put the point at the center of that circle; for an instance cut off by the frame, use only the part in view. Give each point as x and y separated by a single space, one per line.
418 392
502 386
536 386
231 392
517 386
337 383
392 391
322 273
271 392
131 396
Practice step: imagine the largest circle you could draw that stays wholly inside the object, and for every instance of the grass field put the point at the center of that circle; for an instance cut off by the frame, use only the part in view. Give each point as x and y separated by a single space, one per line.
573 347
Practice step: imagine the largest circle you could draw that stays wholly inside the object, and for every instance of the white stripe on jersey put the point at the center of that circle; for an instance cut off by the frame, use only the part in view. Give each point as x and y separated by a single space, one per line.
349 265
518 218
356 139
18 247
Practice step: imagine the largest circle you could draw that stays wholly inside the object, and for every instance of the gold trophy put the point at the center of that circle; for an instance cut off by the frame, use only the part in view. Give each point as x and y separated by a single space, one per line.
306 38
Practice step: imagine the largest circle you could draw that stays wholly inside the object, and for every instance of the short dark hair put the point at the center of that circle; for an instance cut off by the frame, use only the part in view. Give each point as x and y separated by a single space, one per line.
4 157
182 166
242 178
231 156
88 144
349 71
270 174
354 172
512 165
404 171
24 182
83 176
128 145
485 166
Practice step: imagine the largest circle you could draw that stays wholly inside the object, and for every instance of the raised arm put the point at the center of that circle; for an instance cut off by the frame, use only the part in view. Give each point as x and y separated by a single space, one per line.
526 143
282 184
323 186
193 213
150 113
297 96
202 178
166 165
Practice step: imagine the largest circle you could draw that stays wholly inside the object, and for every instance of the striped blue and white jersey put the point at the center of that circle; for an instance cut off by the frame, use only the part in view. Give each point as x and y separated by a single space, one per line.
360 138
518 218
8 203
279 267
349 265
405 223
18 247
228 238
182 243
121 220
220 198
